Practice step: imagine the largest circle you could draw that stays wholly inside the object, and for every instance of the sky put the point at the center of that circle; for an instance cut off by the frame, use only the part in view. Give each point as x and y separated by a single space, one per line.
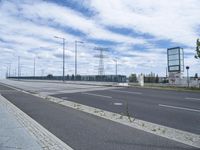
136 33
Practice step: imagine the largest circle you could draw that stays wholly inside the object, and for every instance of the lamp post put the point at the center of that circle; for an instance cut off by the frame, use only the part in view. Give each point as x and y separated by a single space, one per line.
76 57
63 55
9 69
34 67
18 67
115 60
187 67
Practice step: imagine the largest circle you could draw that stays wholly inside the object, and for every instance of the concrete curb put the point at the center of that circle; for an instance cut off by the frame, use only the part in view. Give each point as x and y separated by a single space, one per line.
163 131
42 136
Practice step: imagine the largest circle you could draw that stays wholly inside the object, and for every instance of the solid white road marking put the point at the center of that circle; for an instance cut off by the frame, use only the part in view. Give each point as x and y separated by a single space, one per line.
97 95
183 108
139 93
191 98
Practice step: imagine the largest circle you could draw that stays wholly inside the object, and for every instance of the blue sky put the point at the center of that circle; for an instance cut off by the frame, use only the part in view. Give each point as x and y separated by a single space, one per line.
136 32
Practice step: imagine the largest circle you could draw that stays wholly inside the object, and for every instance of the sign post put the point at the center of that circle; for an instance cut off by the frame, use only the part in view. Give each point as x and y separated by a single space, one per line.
188 81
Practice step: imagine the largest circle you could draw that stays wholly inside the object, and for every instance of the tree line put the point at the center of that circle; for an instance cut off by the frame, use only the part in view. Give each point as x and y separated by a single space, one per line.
148 78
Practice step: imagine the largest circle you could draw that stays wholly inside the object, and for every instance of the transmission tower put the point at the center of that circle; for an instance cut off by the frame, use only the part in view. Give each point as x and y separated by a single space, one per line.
101 57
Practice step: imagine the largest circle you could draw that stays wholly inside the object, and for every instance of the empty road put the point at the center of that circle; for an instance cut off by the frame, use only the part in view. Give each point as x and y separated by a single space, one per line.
83 131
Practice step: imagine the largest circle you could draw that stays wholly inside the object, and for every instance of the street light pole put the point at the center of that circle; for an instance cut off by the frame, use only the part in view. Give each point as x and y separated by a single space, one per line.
63 59
76 58
187 67
63 55
6 71
18 67
116 68
9 69
34 68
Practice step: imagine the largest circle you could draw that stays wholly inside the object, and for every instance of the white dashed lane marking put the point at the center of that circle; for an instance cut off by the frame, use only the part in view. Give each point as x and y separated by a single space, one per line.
191 98
181 108
97 95
139 93
118 104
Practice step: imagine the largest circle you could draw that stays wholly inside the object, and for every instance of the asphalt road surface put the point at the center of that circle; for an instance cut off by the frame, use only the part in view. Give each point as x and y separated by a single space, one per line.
180 110
83 131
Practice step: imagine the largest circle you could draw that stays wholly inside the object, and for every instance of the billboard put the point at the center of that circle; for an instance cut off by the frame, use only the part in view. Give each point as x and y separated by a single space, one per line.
175 59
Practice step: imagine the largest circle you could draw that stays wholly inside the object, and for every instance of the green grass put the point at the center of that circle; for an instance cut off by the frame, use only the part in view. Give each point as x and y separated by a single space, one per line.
166 87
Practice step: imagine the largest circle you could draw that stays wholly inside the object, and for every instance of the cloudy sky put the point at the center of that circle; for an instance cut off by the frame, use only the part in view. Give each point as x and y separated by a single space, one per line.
135 32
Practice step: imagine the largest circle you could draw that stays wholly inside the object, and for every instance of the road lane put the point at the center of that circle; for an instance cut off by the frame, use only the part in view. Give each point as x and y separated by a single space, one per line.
154 98
161 92
87 132
145 107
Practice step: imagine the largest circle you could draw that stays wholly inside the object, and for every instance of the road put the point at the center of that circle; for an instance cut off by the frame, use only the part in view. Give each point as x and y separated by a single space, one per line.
180 110
82 131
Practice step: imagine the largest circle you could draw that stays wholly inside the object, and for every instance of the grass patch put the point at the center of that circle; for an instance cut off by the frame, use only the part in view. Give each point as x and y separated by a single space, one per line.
166 87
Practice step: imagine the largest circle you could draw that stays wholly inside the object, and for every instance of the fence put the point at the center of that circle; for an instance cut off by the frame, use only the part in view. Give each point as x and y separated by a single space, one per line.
104 78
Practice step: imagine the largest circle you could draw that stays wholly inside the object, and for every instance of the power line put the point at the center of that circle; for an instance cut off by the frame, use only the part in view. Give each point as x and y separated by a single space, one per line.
101 57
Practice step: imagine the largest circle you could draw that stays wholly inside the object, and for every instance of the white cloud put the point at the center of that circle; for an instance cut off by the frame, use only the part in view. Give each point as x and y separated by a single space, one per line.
26 25
69 18
174 20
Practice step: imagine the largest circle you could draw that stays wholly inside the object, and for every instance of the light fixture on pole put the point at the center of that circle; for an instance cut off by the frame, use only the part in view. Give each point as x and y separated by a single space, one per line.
63 55
75 73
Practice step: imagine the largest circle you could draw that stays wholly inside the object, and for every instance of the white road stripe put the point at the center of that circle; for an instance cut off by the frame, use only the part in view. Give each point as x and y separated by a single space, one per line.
191 98
139 93
183 108
118 104
97 95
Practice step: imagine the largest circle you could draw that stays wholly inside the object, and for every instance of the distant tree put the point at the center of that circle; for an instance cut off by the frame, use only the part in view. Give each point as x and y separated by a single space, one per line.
72 77
196 75
49 76
133 78
78 77
67 76
152 77
157 78
197 49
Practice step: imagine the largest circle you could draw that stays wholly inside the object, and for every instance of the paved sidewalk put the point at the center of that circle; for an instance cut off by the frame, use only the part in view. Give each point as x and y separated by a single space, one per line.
19 131
12 134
